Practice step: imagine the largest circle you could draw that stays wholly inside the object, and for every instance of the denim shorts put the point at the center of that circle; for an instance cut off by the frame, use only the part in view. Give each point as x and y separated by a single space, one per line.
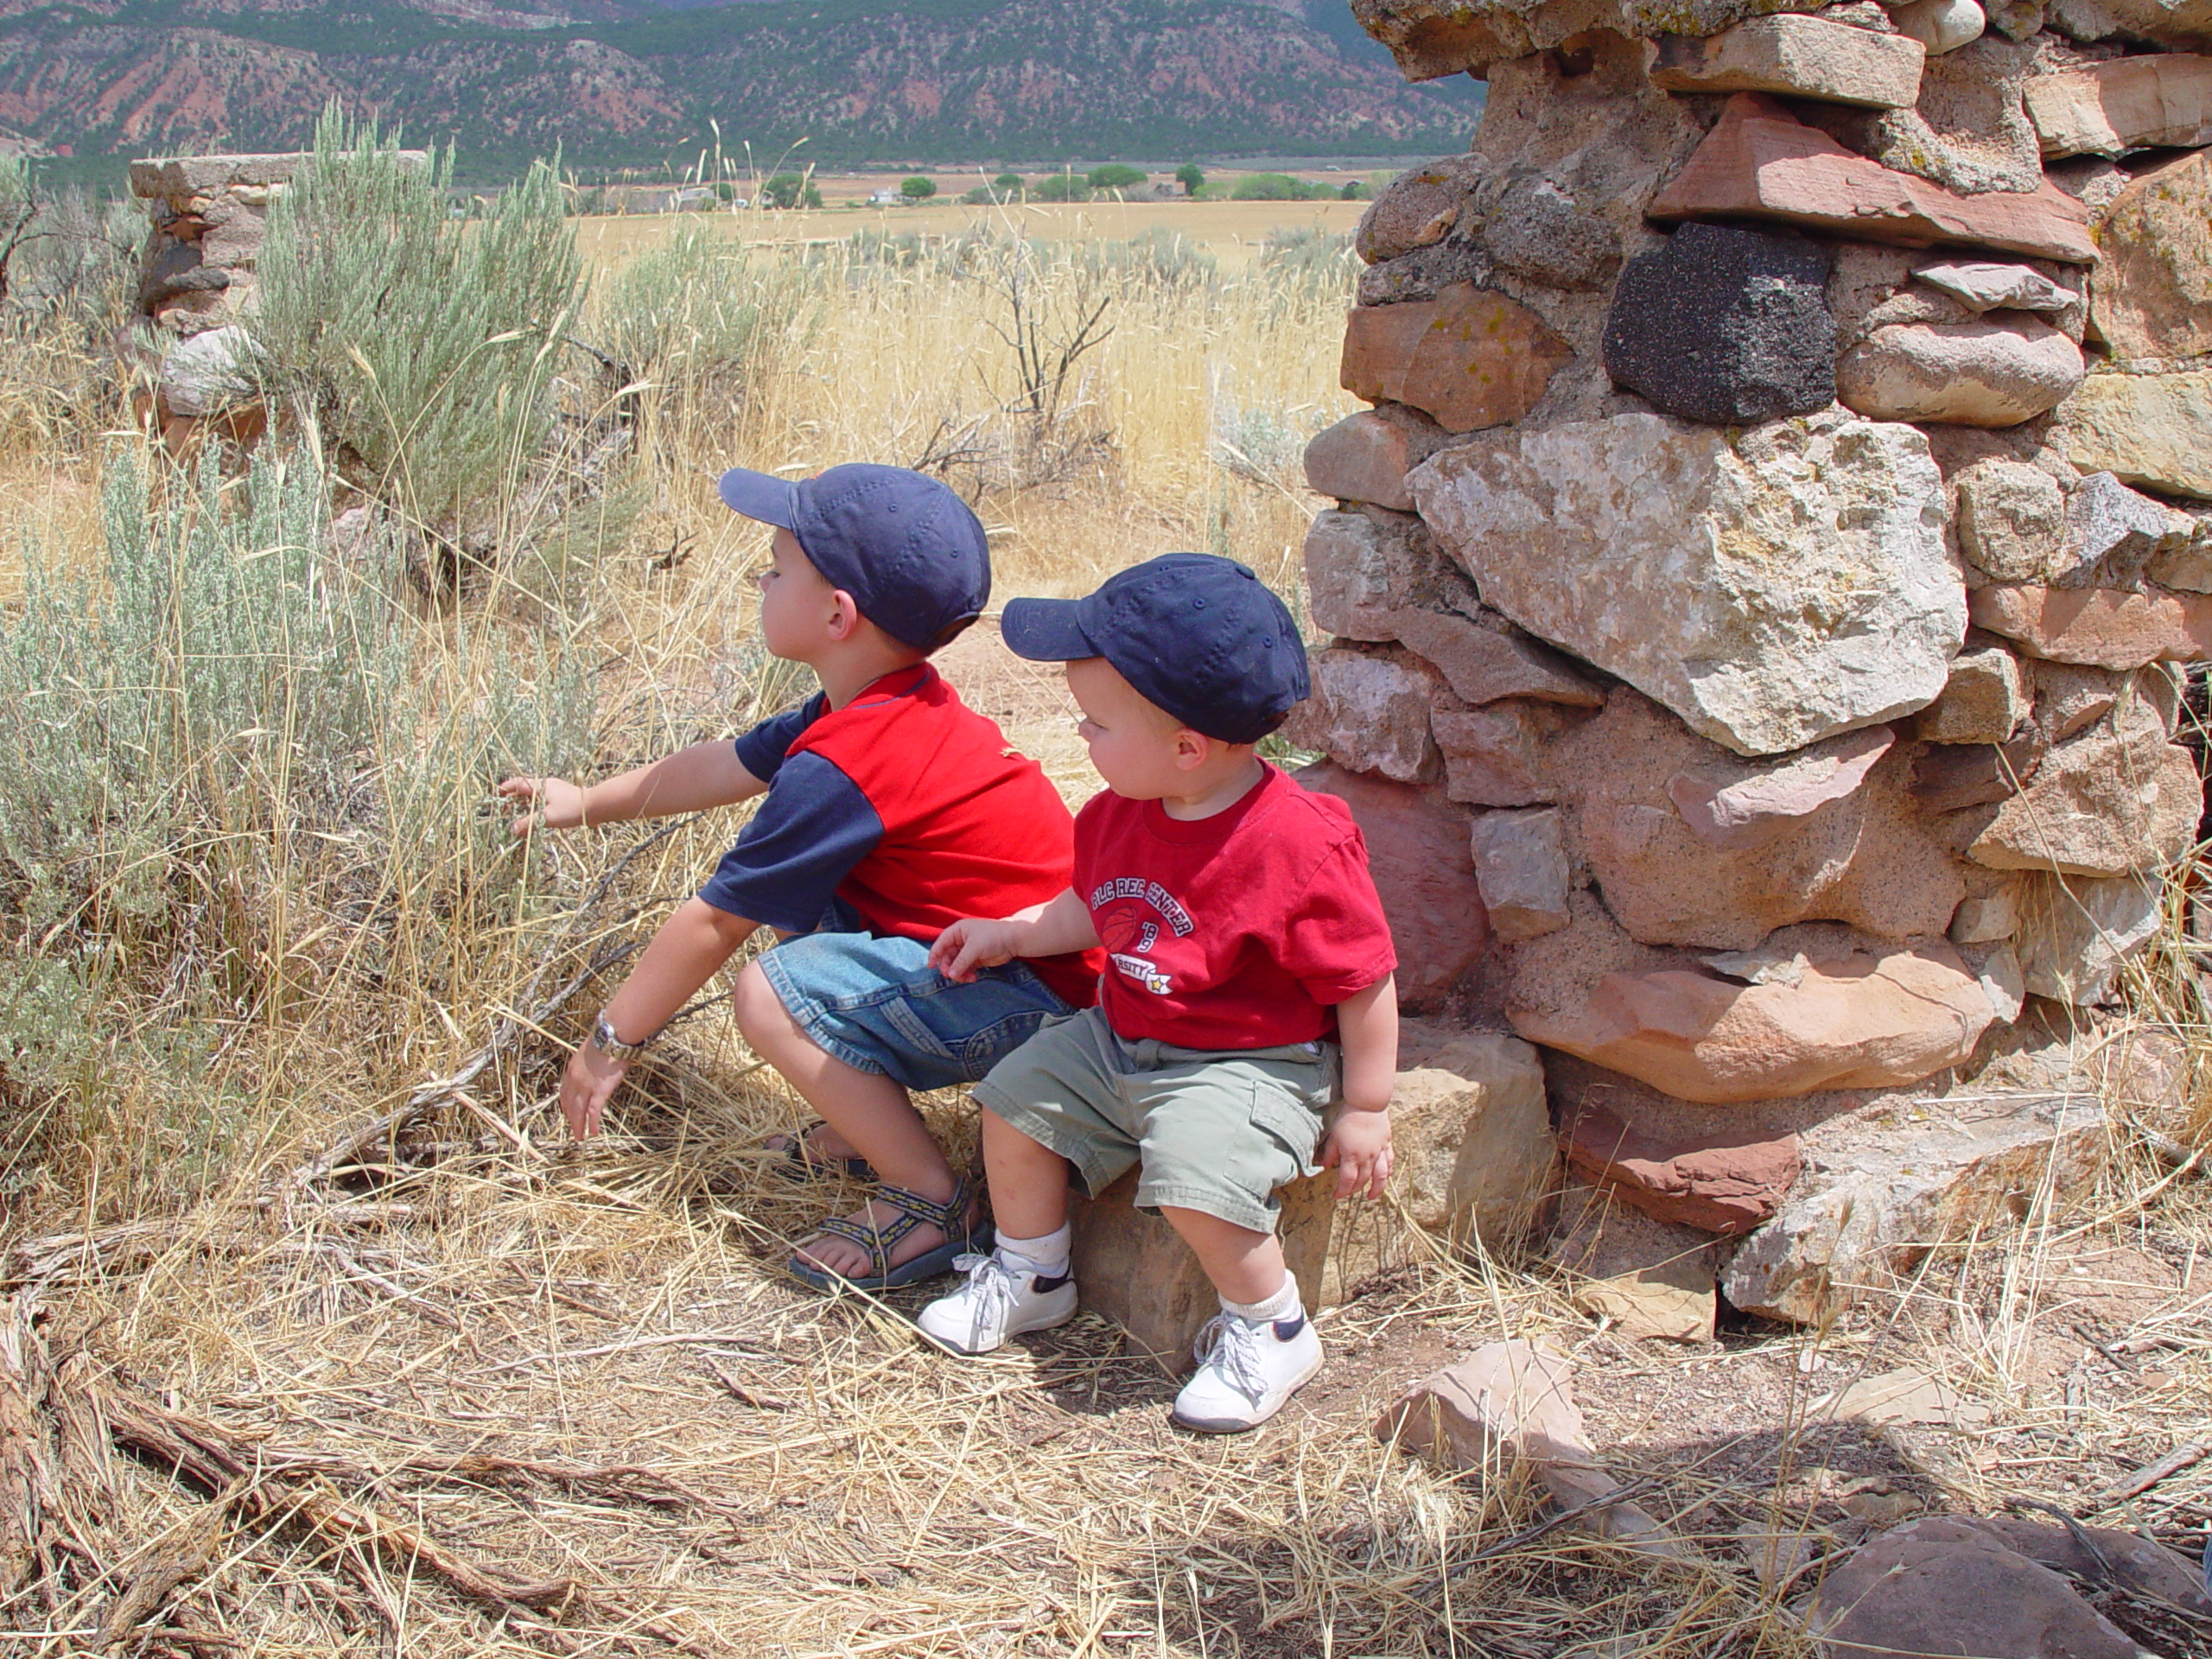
875 1003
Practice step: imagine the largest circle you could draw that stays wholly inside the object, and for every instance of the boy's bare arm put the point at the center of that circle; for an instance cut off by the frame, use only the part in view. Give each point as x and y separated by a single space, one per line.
1359 1141
690 780
1052 929
683 956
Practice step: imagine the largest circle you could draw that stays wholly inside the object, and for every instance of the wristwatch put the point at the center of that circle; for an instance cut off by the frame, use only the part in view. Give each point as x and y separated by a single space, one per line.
604 1038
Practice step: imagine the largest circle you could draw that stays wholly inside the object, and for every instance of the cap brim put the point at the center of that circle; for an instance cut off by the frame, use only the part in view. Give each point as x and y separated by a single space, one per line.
1046 630
762 496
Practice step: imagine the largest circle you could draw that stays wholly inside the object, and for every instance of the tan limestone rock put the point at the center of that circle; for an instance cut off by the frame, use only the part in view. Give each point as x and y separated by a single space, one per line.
1726 1183
1430 38
1134 1269
2101 627
2077 932
1521 864
1858 1022
1979 373
1981 286
1496 755
1472 357
1798 56
1510 1402
1475 1152
1650 1279
1366 457
1368 711
2103 109
1417 208
1942 26
2069 697
2114 798
1772 585
1725 808
1982 702
1868 857
1985 918
1417 852
1759 162
1880 1191
1363 567
2151 295
2010 516
2113 533
2151 429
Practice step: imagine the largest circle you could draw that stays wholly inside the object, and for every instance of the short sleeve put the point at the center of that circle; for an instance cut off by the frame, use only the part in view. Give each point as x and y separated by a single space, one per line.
761 750
812 827
1336 941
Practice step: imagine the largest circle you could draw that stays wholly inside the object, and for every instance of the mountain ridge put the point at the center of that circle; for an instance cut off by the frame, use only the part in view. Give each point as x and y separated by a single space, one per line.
624 82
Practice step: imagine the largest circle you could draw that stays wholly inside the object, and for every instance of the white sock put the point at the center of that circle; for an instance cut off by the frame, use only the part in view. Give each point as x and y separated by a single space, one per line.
1046 1257
1283 1304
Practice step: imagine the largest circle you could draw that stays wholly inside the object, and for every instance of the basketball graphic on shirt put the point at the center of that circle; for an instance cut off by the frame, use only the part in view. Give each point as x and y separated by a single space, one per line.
1121 926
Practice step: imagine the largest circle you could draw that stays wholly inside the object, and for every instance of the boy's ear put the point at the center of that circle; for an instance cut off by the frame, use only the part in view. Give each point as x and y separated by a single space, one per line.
844 615
1192 749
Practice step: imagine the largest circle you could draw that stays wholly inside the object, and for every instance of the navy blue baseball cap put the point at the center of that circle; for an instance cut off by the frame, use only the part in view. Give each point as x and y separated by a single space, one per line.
1198 635
907 549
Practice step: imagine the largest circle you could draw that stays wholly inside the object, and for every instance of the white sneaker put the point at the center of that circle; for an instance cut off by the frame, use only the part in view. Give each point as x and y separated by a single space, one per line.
1246 1371
997 1302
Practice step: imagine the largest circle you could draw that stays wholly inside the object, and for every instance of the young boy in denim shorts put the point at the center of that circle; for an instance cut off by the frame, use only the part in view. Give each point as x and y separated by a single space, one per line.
1248 981
891 810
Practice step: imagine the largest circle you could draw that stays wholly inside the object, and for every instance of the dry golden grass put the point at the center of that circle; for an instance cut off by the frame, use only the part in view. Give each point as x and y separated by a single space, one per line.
585 1366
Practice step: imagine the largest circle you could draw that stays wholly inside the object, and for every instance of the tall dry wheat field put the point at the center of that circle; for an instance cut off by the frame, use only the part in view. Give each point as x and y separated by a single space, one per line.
385 1366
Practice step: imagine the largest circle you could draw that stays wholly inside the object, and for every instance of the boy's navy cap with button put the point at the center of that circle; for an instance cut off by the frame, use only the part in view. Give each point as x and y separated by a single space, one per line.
907 550
1198 635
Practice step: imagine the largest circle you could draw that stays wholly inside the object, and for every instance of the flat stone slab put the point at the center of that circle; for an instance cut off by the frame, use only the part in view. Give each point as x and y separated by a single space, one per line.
1721 1184
1471 358
1759 162
2162 101
1877 1196
1859 1022
1981 285
1799 56
177 177
2151 429
2099 628
1771 587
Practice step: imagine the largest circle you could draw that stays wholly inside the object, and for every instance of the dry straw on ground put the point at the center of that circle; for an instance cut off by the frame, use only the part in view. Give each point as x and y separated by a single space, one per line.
361 1356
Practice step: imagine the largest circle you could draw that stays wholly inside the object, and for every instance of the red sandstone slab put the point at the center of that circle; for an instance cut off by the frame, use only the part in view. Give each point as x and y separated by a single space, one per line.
1720 1186
1758 162
2099 627
1471 357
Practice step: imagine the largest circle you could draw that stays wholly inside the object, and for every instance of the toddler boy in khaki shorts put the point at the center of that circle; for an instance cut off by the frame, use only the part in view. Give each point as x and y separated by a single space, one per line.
1247 983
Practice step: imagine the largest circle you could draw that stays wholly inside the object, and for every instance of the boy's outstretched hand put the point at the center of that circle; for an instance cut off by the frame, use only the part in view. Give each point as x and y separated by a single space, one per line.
971 943
1358 1149
586 1086
557 804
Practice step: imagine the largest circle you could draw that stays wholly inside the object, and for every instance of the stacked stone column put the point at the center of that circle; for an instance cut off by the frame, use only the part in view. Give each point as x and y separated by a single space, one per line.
1767 569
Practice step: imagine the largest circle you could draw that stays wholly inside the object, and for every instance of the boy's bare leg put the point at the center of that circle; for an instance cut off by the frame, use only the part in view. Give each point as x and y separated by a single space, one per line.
1244 1266
1029 1181
871 1111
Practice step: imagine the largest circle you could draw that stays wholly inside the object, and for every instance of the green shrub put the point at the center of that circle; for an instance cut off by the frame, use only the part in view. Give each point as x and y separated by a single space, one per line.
917 188
790 190
423 350
1007 183
1115 176
1060 187
1280 186
1190 175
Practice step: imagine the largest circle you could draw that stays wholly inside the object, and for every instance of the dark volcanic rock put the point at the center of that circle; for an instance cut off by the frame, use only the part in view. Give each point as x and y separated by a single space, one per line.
1725 325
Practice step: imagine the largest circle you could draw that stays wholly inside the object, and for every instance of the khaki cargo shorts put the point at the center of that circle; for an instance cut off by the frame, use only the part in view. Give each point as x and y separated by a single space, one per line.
1216 1130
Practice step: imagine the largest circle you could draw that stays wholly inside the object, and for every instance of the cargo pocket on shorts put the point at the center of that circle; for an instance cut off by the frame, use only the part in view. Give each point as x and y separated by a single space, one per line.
1294 1126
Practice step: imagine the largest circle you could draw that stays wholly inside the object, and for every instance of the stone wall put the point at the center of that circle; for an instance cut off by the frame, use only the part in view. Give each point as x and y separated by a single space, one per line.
1761 585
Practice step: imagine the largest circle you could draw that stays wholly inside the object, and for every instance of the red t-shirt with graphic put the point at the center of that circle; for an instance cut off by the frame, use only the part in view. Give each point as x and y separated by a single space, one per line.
1243 930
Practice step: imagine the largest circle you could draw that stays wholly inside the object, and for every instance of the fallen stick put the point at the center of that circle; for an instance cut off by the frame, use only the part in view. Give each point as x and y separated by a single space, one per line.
2151 1474
276 1490
27 1486
184 1552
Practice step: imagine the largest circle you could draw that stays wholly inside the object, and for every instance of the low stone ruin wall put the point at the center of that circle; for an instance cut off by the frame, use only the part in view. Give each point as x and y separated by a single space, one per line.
1760 591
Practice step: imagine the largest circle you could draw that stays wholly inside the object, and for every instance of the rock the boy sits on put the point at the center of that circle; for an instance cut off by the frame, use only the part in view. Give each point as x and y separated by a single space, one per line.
1248 981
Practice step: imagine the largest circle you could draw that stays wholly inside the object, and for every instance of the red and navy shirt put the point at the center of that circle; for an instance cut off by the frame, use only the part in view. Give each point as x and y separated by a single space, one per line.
908 807
1243 930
